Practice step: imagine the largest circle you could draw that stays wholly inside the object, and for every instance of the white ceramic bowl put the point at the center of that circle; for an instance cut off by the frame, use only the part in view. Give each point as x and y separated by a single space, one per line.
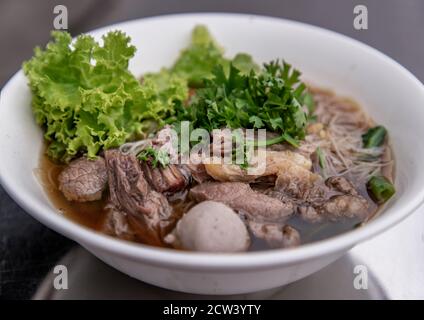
392 96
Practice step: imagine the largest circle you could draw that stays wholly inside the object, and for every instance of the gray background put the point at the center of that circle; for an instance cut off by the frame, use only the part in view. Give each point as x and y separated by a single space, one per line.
28 249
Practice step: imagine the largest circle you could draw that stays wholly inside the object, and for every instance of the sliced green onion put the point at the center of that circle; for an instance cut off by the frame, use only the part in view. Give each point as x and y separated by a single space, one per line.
380 189
374 137
308 101
294 142
321 161
321 158
283 137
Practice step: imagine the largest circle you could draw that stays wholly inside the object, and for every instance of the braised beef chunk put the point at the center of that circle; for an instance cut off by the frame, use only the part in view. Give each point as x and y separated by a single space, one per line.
148 211
240 197
169 179
198 172
300 189
341 184
333 199
275 235
116 224
83 179
310 214
336 208
345 206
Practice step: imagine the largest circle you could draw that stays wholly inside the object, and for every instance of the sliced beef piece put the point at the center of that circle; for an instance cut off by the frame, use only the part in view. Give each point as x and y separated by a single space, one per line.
346 203
148 211
332 199
264 183
275 235
341 184
277 194
174 178
310 214
198 172
83 179
116 224
300 189
280 196
336 208
344 206
169 179
319 200
240 197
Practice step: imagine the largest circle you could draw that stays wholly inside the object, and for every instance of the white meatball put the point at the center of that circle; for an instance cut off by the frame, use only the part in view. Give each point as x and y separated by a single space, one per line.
210 226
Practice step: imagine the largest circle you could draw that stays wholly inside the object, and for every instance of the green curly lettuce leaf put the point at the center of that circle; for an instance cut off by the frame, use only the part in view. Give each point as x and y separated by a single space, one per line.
245 64
86 98
197 61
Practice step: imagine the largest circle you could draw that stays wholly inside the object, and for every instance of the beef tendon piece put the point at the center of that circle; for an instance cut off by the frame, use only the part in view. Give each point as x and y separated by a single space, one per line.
83 179
169 179
275 235
148 211
240 197
276 163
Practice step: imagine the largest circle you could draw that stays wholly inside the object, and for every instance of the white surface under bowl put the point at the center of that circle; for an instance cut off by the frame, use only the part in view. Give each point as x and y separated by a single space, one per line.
391 95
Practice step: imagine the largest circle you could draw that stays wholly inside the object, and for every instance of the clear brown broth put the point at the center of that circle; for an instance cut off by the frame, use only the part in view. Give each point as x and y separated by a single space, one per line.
89 214
92 214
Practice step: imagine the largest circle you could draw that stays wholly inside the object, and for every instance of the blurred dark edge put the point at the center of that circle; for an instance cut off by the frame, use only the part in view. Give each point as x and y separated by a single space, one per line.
27 248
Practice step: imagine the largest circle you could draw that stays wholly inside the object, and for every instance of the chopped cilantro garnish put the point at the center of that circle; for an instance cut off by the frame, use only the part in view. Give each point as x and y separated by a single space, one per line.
271 99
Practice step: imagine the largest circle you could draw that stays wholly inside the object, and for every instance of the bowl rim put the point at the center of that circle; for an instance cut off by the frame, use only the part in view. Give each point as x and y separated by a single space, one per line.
216 261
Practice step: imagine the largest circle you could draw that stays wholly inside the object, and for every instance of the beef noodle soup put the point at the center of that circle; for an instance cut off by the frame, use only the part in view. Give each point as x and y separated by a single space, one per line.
212 154
345 174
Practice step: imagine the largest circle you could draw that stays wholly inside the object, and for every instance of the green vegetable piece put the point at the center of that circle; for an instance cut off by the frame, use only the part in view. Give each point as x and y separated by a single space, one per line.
270 99
155 156
374 137
308 101
86 98
244 62
380 189
322 162
197 61
321 158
